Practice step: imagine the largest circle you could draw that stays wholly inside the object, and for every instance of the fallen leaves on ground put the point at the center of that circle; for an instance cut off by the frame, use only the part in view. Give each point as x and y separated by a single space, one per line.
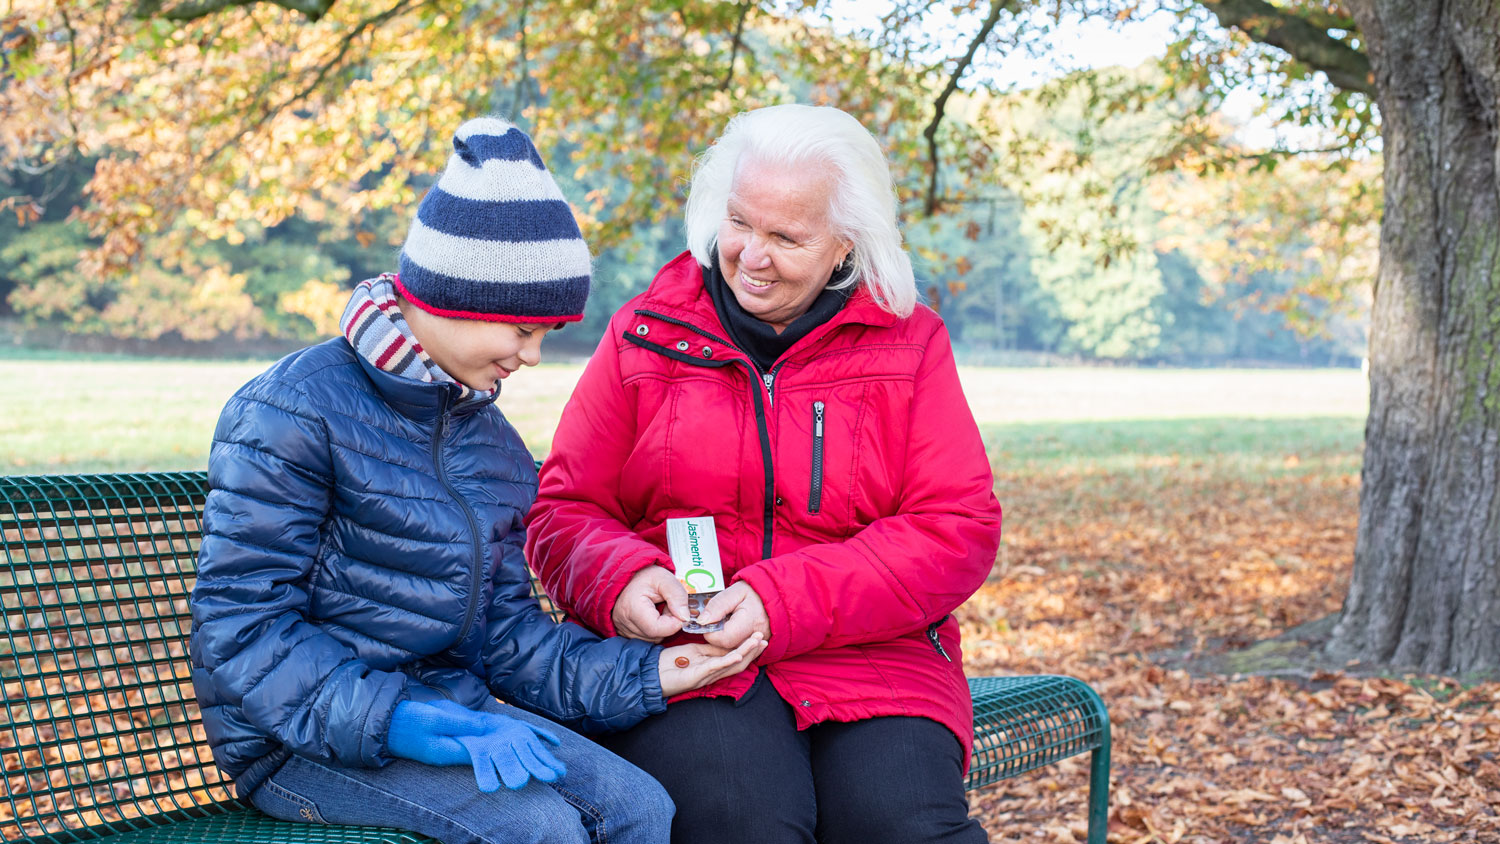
1109 579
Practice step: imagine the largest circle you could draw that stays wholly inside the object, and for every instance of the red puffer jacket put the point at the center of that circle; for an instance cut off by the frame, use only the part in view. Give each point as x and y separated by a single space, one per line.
849 486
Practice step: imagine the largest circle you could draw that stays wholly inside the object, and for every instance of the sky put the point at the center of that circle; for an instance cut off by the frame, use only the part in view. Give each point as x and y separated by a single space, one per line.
1074 44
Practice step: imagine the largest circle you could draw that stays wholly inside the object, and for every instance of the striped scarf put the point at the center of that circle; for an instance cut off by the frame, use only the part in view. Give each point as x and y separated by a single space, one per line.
376 329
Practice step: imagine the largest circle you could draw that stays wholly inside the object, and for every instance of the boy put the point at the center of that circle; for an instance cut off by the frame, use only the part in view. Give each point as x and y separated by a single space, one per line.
362 596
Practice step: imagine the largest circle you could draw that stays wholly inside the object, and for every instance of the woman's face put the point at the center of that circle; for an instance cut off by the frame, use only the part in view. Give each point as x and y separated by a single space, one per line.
475 352
777 248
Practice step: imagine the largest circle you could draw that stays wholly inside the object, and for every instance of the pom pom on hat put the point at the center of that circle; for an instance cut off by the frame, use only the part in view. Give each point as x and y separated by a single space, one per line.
494 239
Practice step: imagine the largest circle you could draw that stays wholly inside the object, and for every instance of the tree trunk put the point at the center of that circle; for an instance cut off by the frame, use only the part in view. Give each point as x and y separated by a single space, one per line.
1426 587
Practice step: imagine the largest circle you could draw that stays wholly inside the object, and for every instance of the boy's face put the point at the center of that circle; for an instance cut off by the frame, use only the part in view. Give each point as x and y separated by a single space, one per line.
476 353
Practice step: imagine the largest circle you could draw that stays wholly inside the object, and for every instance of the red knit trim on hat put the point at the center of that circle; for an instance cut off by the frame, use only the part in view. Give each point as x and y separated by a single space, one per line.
451 314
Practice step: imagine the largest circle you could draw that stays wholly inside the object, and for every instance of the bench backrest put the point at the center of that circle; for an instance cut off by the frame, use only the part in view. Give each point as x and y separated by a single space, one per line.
100 727
100 730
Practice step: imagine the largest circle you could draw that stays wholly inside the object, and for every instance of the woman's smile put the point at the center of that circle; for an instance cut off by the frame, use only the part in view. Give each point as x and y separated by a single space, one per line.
755 284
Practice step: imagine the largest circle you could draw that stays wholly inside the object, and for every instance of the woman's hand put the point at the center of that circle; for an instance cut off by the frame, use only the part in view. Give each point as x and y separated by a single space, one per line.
743 613
687 667
636 614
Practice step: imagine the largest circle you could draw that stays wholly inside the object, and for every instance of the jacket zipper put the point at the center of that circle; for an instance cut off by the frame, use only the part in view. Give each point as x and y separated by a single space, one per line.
932 636
478 568
815 498
688 325
769 379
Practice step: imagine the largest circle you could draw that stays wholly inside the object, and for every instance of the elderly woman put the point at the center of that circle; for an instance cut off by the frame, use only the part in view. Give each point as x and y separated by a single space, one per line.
781 378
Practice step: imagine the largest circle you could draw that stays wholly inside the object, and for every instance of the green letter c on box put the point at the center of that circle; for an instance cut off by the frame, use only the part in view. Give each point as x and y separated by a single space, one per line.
712 582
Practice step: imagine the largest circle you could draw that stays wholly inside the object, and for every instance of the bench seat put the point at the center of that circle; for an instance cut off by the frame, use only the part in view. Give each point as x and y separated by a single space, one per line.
100 735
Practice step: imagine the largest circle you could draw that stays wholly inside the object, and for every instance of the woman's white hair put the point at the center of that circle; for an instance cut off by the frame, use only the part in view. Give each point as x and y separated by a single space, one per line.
862 207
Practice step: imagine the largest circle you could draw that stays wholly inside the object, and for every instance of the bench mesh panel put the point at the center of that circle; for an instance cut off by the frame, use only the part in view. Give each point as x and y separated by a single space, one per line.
100 731
1024 723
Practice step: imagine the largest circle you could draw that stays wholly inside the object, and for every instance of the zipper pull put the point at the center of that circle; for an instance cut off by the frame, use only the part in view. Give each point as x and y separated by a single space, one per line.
442 420
770 379
817 419
937 645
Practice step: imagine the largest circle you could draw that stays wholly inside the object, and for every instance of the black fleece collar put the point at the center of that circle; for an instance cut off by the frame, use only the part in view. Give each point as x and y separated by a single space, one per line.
757 338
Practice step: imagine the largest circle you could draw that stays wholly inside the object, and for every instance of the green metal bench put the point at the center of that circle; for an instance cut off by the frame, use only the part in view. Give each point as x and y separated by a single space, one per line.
100 736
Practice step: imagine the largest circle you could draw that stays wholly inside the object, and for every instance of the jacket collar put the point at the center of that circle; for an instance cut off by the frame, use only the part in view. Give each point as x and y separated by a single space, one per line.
678 292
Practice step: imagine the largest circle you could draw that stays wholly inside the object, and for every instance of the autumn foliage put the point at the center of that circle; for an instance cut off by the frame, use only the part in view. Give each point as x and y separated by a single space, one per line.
255 114
202 125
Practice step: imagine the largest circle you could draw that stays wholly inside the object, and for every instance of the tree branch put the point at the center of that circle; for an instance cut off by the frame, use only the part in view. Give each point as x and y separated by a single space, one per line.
734 54
1281 152
1328 20
323 71
189 10
72 72
523 89
930 133
1345 66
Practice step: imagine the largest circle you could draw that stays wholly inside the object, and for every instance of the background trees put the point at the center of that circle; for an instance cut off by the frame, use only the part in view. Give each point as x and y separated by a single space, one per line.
261 154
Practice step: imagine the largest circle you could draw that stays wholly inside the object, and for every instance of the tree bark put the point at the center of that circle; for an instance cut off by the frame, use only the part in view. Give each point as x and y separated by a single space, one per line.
1426 586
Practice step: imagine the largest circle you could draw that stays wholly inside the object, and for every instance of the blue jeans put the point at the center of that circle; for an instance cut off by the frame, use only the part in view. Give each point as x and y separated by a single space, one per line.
603 799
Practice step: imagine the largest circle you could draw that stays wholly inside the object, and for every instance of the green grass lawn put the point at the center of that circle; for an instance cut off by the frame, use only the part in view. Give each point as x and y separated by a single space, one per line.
1238 448
93 414
102 414
1081 469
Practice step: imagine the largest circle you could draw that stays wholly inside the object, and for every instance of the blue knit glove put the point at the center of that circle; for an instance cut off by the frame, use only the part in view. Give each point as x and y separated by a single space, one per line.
516 751
498 747
423 732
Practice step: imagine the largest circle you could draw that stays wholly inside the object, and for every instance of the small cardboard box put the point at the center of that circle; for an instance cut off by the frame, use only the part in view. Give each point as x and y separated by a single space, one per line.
694 547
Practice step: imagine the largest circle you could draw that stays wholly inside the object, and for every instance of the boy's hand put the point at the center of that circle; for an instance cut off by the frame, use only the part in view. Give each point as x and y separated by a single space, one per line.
427 733
512 752
705 664
636 613
498 747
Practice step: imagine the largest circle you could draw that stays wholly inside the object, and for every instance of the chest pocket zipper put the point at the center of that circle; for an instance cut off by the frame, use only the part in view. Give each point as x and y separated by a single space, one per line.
815 497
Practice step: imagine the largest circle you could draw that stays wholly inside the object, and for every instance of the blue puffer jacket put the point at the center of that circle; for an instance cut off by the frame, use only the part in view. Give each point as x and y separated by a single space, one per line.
361 546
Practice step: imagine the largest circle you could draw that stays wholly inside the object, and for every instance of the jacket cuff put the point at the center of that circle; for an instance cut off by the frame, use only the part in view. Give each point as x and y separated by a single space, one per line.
601 610
421 693
374 750
651 693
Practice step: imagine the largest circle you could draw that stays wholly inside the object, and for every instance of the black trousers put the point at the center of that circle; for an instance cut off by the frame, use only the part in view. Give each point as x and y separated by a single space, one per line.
741 773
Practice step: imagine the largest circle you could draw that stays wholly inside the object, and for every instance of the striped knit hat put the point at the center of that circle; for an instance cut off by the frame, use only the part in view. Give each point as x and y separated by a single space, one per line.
494 239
